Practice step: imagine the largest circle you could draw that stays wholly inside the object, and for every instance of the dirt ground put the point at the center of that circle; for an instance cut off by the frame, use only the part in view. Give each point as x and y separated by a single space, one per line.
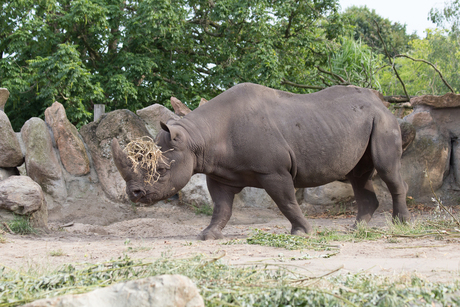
172 232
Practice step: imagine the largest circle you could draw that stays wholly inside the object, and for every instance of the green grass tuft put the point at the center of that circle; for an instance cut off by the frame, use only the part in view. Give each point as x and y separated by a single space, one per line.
203 208
21 225
56 253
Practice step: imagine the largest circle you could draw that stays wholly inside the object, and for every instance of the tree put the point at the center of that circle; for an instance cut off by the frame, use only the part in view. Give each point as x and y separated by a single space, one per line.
447 17
130 54
394 34
420 78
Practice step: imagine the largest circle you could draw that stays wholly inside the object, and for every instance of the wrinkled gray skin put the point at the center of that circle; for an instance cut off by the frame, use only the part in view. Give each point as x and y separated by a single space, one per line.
255 136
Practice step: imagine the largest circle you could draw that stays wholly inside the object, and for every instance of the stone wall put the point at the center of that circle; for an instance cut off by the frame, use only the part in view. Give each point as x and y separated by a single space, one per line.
78 181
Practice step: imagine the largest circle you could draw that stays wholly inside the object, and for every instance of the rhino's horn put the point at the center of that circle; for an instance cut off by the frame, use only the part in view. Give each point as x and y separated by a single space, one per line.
121 160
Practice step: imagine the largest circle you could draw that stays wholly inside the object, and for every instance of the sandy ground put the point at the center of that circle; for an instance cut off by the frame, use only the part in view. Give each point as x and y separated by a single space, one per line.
172 232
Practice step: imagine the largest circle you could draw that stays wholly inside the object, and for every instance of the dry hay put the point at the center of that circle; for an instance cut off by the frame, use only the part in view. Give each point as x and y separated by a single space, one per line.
144 153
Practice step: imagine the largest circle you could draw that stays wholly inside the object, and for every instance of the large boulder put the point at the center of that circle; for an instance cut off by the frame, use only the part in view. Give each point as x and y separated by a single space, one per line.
426 163
328 194
163 290
42 163
456 161
196 191
445 112
123 125
10 150
449 100
22 196
71 148
8 172
153 115
179 107
4 94
253 198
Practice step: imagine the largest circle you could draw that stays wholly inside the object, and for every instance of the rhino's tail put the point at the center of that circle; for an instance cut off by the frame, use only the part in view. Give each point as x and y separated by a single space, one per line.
407 133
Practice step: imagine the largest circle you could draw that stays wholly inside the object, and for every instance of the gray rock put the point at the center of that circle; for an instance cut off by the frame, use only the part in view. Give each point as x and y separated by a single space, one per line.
10 150
42 163
152 115
456 161
448 119
71 148
23 196
4 94
123 125
8 172
158 291
328 194
448 100
425 163
179 107
196 191
253 198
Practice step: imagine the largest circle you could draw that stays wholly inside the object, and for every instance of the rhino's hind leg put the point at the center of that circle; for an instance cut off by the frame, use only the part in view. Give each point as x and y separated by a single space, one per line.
361 181
222 196
386 149
282 191
365 197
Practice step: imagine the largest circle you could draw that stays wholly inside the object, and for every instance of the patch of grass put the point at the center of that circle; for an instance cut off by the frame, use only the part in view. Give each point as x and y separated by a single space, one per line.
227 285
138 249
203 208
439 226
319 240
21 225
287 241
56 253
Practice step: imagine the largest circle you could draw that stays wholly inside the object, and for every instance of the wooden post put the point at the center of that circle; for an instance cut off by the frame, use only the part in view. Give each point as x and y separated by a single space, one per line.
99 110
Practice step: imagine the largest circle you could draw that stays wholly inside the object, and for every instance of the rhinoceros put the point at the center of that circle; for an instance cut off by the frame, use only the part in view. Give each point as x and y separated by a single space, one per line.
255 136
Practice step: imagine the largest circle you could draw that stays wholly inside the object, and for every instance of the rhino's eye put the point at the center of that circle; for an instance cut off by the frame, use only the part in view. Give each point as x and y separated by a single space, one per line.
161 171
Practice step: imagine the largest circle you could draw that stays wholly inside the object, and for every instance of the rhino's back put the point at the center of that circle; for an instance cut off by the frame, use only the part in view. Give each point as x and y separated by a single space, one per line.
319 136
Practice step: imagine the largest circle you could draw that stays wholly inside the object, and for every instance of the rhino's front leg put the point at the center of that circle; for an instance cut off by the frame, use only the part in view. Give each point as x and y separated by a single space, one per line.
281 189
222 196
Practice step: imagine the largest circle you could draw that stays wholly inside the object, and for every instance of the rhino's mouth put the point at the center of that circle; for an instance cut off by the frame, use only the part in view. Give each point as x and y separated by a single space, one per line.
145 198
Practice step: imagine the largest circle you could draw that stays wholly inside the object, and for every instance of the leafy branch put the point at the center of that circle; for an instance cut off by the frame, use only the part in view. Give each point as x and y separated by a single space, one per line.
391 61
432 65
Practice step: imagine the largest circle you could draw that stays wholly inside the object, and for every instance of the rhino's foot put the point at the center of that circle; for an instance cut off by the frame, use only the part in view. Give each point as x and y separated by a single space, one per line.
210 234
358 223
402 217
301 231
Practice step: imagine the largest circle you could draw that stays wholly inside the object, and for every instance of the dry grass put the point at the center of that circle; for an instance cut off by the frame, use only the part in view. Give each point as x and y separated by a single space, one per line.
145 154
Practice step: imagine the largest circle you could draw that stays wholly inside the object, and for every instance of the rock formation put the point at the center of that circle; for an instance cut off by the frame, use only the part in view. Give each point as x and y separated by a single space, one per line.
71 148
163 290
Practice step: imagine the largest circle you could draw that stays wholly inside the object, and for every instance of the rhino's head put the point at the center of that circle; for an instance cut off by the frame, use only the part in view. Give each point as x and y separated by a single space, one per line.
173 171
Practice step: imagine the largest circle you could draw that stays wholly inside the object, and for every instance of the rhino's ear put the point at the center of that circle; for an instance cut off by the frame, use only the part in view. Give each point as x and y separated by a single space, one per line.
121 160
172 130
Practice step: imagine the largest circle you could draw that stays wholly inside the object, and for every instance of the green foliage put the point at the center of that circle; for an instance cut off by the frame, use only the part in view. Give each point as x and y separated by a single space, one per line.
226 285
356 63
56 253
420 78
203 208
21 225
130 54
365 29
448 17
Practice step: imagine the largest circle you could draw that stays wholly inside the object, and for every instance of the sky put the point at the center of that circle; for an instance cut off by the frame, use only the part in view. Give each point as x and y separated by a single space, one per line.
413 13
